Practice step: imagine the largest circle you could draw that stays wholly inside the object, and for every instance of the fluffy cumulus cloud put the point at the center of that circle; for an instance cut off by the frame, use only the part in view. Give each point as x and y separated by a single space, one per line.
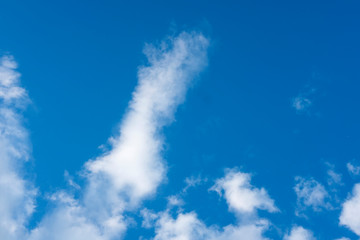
16 194
351 211
311 193
133 168
299 233
240 195
187 226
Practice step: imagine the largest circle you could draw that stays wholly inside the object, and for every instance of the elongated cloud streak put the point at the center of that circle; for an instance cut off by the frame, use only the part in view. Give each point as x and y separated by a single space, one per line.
135 164
16 194
133 169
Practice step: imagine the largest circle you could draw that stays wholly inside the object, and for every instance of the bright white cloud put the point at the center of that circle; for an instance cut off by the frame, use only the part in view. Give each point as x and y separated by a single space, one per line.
68 220
16 194
299 233
133 168
187 226
241 196
351 211
311 193
134 164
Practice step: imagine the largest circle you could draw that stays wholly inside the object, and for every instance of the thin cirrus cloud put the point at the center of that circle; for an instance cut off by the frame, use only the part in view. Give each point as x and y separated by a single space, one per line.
133 169
16 194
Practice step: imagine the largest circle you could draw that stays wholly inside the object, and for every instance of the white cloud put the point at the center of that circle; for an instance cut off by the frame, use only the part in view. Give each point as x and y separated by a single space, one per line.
149 218
334 177
241 196
351 211
299 233
310 193
187 226
193 182
134 164
69 220
132 170
301 104
353 169
16 194
175 200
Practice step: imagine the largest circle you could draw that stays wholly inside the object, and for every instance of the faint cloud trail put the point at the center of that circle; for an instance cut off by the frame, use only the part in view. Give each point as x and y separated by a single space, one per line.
16 194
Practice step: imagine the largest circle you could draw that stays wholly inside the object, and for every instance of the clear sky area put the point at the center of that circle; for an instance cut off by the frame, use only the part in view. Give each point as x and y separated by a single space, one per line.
179 120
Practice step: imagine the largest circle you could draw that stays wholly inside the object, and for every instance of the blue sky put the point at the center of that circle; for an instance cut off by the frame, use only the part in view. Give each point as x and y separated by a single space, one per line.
179 120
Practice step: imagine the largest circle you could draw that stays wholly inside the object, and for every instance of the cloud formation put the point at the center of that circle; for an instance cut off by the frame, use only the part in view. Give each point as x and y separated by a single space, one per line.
187 226
353 169
310 193
240 195
299 233
351 211
303 101
133 169
242 198
16 194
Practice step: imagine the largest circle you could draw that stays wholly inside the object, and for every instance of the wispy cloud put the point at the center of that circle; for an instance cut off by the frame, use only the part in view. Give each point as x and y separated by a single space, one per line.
334 178
310 194
133 169
192 182
304 100
16 194
353 169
